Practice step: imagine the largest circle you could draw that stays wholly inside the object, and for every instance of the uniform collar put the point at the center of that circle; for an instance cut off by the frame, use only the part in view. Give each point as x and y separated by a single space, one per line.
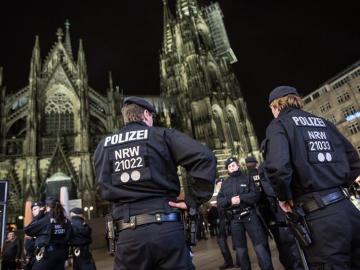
141 123
287 110
237 173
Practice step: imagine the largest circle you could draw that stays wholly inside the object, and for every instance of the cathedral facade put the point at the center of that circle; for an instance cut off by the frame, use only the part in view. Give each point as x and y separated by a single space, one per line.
50 128
198 83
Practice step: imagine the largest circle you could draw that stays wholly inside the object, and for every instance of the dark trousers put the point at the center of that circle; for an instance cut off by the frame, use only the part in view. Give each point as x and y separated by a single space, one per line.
84 261
30 262
225 251
336 237
54 259
253 227
8 265
153 246
288 253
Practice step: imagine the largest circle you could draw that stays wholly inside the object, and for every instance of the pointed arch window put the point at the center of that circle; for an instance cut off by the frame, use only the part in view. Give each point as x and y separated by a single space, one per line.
59 115
233 127
219 129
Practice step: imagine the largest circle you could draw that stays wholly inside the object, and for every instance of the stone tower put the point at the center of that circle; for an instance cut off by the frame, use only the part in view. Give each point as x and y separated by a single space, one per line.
197 80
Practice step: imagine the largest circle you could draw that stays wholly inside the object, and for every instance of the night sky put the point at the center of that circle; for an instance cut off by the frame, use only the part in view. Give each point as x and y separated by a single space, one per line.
276 42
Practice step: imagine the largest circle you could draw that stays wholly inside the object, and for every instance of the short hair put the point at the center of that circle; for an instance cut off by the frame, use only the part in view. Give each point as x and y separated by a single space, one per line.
287 101
132 113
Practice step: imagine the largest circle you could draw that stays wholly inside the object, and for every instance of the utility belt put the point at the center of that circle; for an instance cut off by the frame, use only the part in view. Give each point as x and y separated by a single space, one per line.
40 252
238 213
144 219
320 201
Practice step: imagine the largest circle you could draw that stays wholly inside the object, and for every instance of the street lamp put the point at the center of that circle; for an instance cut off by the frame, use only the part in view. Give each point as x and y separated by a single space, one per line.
88 210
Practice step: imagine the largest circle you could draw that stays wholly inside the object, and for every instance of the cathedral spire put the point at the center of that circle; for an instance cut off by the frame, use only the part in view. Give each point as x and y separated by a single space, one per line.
111 87
167 16
167 20
81 62
186 8
59 34
35 64
67 43
1 76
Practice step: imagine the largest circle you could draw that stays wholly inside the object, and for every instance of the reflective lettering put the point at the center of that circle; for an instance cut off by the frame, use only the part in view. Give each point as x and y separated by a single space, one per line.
126 137
319 145
308 121
317 135
127 152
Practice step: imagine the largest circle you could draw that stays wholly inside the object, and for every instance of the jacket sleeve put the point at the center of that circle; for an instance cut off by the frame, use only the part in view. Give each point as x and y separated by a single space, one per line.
278 163
102 171
223 201
36 226
199 162
252 197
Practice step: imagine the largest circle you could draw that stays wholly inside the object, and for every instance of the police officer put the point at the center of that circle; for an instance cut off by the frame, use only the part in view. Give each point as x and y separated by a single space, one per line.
38 211
222 236
52 233
264 203
239 196
308 161
136 169
285 242
80 240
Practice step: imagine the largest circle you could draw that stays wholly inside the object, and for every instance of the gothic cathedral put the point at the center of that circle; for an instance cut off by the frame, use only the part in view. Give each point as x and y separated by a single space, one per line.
50 128
197 81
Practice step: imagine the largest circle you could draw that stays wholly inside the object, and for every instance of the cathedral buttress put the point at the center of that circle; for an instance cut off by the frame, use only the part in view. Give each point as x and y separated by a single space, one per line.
30 146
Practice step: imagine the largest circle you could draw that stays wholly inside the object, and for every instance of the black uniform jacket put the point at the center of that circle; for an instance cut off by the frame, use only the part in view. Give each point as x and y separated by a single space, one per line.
137 167
81 232
238 184
306 153
11 250
48 232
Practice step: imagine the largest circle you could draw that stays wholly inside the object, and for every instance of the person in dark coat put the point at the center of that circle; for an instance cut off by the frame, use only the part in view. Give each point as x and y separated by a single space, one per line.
52 232
223 235
136 170
309 161
11 252
38 211
238 195
274 217
80 241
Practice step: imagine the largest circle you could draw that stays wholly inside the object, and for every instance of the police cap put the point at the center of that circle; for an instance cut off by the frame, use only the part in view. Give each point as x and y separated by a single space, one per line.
139 101
39 203
251 159
229 161
282 91
77 211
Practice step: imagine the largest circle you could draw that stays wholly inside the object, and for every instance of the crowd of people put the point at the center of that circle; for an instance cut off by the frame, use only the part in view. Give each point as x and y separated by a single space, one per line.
51 239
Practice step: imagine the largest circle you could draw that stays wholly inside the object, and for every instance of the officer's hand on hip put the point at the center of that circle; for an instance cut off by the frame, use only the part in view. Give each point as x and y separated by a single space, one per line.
286 206
180 205
235 200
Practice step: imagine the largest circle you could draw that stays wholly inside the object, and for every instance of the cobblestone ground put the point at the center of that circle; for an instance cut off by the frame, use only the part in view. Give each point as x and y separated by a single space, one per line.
207 256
